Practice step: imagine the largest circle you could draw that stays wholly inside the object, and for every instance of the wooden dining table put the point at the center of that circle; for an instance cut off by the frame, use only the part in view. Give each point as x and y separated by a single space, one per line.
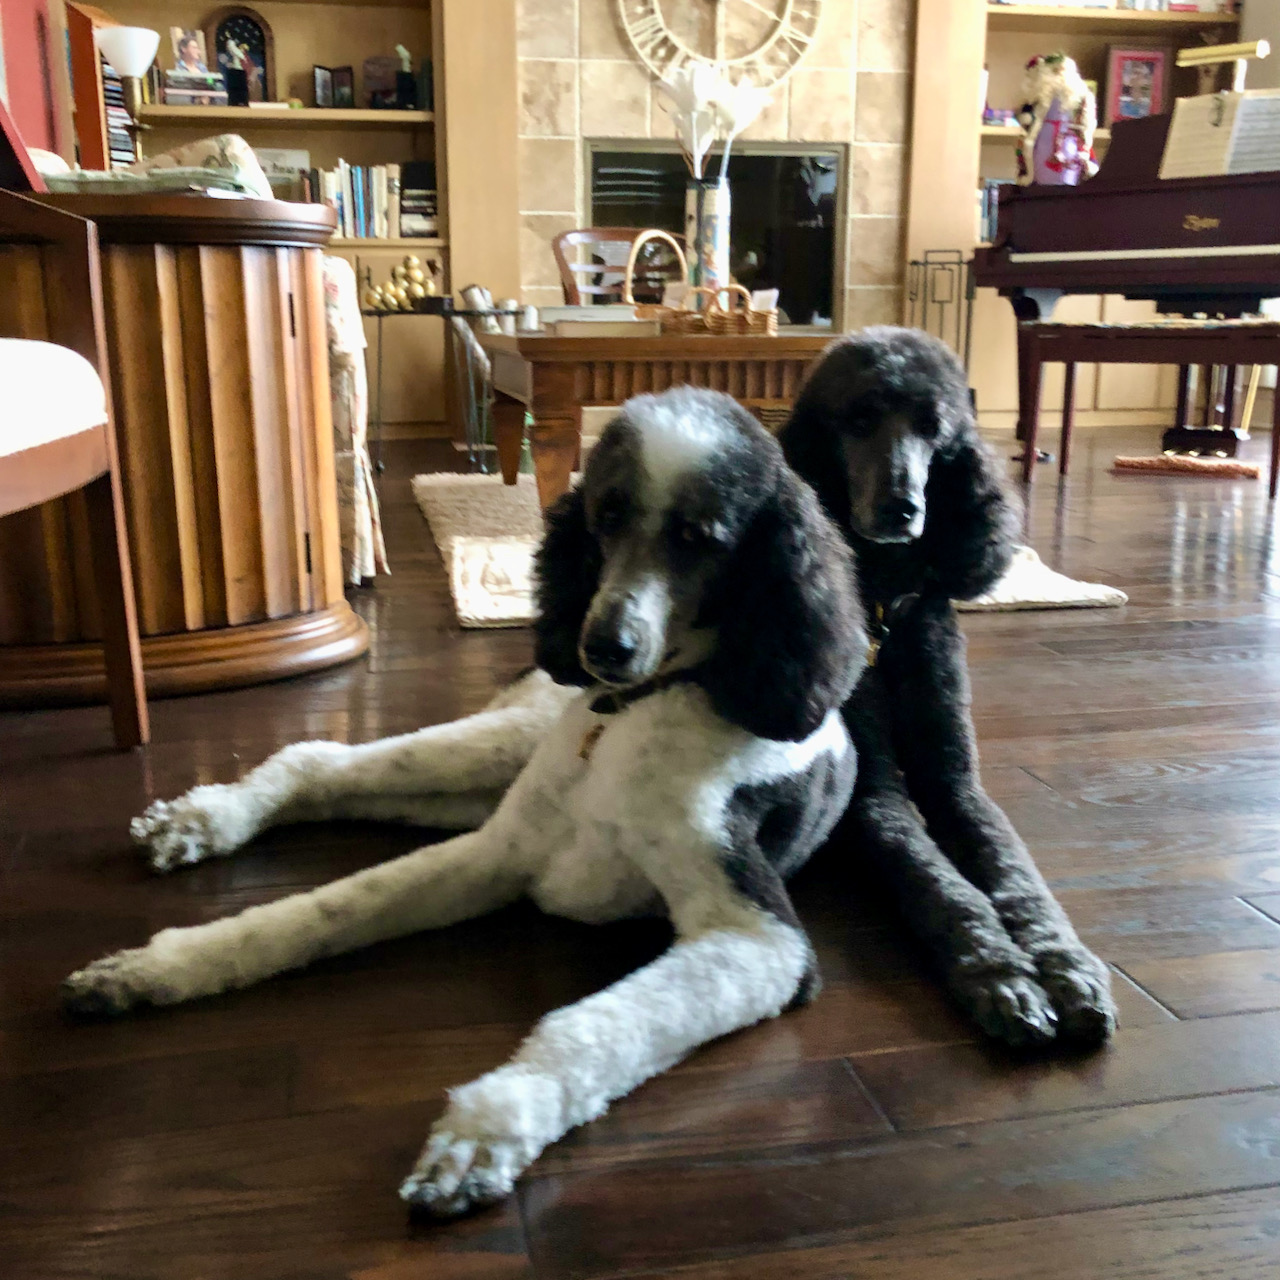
555 378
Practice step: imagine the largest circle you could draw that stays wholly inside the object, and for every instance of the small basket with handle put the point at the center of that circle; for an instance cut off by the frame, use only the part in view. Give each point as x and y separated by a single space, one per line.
716 318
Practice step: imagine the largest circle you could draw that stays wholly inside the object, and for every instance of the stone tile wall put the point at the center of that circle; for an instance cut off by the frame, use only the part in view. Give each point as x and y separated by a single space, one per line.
578 79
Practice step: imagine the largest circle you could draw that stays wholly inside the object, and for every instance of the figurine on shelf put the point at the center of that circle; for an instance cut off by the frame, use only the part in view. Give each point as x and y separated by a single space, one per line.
1058 117
406 81
235 69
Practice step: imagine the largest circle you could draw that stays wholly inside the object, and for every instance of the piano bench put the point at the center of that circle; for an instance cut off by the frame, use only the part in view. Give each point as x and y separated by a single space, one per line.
1180 342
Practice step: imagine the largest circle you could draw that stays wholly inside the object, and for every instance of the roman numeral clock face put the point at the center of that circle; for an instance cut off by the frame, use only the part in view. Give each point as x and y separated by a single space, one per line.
764 39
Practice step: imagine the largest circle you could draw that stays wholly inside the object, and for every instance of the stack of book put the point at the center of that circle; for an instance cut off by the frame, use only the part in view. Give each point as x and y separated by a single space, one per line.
194 89
120 146
367 199
989 207
419 211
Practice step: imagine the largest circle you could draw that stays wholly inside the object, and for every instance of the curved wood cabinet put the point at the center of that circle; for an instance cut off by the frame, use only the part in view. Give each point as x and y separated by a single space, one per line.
219 377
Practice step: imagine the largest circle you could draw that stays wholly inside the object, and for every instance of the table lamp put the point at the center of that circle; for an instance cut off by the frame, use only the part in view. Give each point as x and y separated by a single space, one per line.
131 51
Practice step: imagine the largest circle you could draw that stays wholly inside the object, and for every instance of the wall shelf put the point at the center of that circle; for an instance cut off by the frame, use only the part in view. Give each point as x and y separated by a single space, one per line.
1051 17
303 118
1004 134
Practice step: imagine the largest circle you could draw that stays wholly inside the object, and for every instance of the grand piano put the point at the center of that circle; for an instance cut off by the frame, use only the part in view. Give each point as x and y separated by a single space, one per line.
1190 245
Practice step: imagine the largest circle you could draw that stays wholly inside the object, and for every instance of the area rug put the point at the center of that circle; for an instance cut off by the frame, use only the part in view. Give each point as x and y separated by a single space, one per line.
487 533
1174 464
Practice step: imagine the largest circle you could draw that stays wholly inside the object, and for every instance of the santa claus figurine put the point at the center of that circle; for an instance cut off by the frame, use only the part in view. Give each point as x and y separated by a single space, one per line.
1058 118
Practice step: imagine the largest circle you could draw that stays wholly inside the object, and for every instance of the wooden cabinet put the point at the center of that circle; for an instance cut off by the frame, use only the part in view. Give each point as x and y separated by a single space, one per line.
219 376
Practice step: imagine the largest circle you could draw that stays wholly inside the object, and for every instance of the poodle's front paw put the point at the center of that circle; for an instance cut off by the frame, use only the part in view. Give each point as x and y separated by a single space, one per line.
111 985
1009 1007
456 1174
196 826
1080 987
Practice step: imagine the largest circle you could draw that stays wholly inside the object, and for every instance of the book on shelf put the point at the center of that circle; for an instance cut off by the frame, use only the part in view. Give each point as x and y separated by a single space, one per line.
121 150
989 207
419 211
366 198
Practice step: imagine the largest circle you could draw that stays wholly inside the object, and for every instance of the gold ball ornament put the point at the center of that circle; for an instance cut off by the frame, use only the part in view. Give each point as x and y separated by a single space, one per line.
373 299
416 275
412 261
398 273
430 286
415 290
406 303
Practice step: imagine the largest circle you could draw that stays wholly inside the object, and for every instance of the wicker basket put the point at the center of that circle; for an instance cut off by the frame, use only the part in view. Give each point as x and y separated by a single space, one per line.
716 318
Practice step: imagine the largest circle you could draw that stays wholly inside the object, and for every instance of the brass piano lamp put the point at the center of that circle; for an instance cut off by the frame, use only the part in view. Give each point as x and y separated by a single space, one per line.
1215 54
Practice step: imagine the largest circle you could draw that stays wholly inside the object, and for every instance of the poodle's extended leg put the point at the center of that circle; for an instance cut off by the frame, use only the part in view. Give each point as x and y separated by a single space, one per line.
937 749
428 889
580 1058
449 776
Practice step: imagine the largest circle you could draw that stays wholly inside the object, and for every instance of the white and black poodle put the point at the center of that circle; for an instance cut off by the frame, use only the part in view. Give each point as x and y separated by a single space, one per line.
884 432
680 748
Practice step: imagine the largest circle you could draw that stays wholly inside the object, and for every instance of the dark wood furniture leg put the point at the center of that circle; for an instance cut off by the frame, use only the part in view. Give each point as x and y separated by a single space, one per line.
1068 416
508 434
113 576
1229 395
1184 388
1275 444
1029 366
1206 395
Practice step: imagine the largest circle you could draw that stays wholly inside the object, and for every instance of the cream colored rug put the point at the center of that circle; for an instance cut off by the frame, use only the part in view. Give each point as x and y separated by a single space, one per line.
487 533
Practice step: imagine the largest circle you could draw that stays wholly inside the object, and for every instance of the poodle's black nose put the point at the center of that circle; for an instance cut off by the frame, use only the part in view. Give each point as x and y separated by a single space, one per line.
897 513
609 652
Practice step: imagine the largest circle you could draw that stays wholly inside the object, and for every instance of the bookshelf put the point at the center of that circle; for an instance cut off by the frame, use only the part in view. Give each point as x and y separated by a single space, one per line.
242 118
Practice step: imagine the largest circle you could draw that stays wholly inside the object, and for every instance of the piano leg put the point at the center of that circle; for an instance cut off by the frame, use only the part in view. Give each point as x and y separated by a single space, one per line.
1029 367
1068 417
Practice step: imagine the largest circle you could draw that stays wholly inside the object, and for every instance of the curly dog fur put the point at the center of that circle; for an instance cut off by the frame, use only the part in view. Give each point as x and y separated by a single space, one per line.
701 616
884 432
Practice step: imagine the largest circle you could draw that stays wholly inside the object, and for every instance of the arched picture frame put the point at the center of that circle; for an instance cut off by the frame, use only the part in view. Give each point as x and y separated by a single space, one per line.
252 31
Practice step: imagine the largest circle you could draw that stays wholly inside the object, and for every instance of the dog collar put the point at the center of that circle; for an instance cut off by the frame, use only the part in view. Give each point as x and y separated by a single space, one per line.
611 701
883 616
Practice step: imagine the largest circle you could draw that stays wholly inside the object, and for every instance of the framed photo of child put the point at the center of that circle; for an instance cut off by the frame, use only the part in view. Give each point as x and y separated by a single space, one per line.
1135 83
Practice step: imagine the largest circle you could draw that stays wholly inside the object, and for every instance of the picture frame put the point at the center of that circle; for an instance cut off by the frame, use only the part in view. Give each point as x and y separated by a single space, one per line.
252 33
190 52
322 80
1135 83
344 87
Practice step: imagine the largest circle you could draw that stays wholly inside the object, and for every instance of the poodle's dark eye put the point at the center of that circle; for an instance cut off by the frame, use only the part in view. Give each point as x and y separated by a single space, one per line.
612 514
698 533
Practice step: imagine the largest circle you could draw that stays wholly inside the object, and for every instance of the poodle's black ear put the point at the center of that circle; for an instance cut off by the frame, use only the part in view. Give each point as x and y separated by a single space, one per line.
813 450
971 520
566 575
791 640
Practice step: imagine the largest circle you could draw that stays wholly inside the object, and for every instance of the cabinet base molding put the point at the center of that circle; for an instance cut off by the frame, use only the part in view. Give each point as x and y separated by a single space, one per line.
189 662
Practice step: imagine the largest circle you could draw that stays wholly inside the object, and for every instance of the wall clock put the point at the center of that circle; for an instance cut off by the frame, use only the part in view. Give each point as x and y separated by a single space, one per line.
763 39
252 32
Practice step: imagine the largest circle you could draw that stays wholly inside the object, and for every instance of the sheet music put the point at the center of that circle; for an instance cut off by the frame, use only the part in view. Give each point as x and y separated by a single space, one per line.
1222 133
1255 145
1199 140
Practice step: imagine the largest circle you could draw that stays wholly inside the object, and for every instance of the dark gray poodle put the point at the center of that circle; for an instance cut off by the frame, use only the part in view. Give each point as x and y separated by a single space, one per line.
884 432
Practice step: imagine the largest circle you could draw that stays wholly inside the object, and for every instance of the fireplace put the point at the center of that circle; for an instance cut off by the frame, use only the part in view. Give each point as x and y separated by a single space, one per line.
788 207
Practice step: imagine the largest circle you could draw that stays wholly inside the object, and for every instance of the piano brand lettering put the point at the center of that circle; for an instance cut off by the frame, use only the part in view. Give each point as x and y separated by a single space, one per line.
1194 222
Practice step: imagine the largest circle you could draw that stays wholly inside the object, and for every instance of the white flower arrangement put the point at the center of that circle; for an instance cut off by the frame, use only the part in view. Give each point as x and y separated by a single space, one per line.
706 107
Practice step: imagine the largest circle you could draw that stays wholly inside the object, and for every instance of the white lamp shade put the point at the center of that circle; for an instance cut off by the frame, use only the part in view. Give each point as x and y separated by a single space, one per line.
130 50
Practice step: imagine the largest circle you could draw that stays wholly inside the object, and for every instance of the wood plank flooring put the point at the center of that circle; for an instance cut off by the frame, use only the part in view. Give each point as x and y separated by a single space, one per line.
262 1135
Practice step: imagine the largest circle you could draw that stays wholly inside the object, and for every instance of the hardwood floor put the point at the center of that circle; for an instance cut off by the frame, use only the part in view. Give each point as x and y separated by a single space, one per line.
263 1134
